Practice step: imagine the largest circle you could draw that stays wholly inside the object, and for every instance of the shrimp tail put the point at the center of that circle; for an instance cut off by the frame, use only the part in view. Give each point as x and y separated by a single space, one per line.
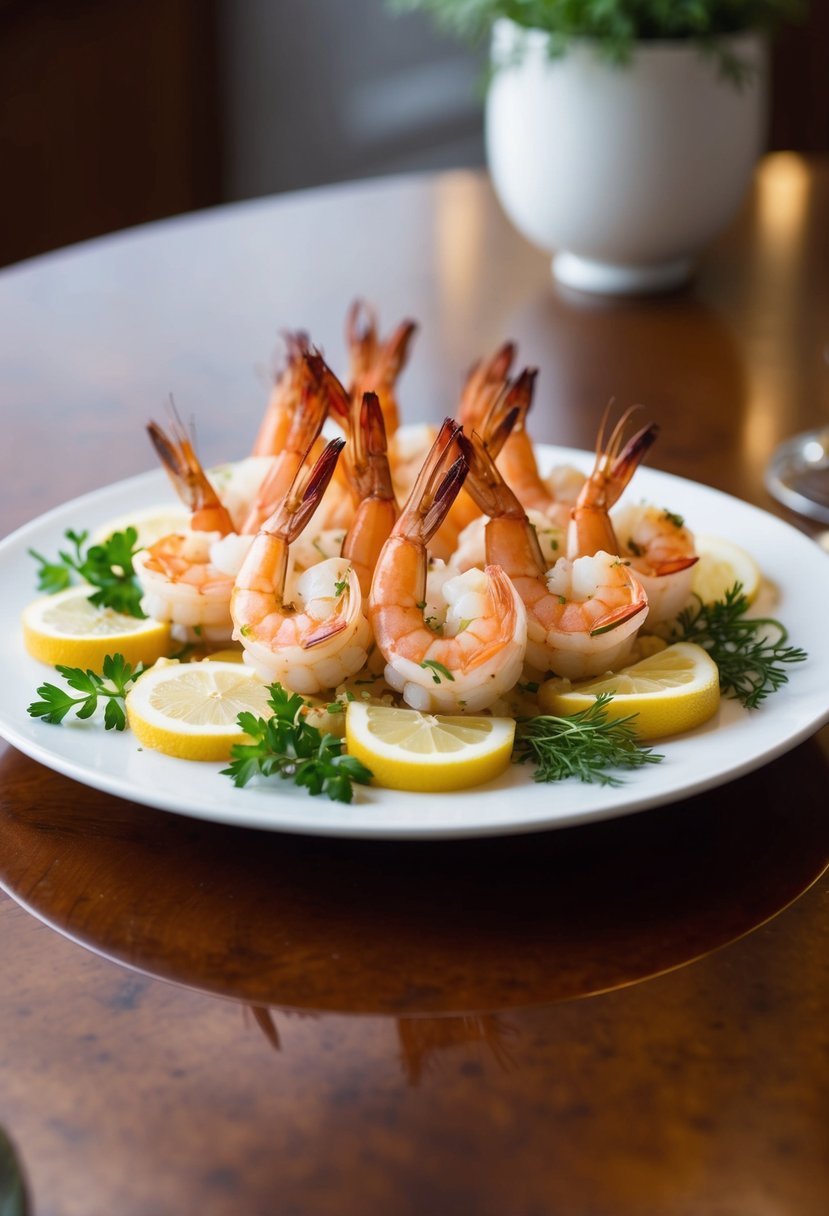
437 484
286 390
369 470
486 483
612 620
629 459
672 565
590 525
336 397
485 380
178 457
304 496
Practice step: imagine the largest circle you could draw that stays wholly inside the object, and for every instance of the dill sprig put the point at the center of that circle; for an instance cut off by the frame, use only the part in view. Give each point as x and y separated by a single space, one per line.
583 745
112 685
107 567
286 745
750 652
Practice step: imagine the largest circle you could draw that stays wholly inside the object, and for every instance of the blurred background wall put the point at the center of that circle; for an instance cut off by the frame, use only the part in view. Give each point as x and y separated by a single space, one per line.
115 112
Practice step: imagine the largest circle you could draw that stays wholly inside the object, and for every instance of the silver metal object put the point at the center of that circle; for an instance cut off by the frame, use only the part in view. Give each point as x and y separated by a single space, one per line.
798 474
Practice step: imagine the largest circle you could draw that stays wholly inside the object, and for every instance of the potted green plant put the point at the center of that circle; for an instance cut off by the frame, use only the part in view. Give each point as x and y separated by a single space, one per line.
621 135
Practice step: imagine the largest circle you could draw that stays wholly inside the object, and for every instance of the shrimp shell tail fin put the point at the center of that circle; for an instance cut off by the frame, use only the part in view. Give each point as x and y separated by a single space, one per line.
672 565
437 484
618 617
183 467
486 484
305 495
628 460
329 629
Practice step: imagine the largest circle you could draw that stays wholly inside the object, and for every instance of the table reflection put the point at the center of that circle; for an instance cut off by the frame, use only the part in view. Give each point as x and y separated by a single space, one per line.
415 928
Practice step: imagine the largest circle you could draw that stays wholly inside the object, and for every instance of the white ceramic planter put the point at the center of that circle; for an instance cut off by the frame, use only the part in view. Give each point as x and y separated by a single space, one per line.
626 173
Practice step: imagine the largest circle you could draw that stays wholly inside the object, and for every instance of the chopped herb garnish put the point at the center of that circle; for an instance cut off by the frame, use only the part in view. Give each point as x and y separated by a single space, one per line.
583 745
673 518
438 670
340 585
112 685
286 745
107 567
749 651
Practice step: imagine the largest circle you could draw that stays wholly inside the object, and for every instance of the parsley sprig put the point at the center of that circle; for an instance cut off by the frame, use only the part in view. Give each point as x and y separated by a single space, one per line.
584 745
107 567
750 652
288 746
112 685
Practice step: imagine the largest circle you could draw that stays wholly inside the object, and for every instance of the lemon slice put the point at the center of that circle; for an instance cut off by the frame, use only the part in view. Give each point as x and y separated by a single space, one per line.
66 628
229 655
189 710
409 750
671 691
722 564
151 524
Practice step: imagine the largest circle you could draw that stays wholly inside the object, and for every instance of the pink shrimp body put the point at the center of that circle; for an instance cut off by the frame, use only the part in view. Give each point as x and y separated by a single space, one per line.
475 654
582 614
303 430
661 550
322 637
371 482
187 578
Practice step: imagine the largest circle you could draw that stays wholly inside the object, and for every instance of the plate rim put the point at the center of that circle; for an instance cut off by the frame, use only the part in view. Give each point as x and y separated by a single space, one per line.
290 817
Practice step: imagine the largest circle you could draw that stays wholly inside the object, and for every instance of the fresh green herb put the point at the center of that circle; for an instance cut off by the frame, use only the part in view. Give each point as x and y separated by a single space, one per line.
336 707
420 605
673 518
14 1196
438 670
584 745
634 548
531 686
112 685
184 652
750 652
615 26
107 567
288 746
340 585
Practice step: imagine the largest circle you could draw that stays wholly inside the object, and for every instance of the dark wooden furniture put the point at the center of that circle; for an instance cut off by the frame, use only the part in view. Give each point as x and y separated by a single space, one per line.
627 1018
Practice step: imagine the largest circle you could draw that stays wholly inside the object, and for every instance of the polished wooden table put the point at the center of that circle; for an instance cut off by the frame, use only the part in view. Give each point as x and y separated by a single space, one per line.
626 1018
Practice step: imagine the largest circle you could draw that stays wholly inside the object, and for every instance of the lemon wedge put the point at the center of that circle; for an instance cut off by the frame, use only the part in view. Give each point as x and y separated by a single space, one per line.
151 524
722 564
66 628
671 691
409 750
189 710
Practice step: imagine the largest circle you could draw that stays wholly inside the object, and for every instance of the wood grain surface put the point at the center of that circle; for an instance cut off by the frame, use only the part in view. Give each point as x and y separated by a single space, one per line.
629 1018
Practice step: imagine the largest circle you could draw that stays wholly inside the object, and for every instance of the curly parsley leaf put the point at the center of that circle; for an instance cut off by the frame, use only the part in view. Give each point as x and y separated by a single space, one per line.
286 745
110 687
584 745
751 653
107 567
